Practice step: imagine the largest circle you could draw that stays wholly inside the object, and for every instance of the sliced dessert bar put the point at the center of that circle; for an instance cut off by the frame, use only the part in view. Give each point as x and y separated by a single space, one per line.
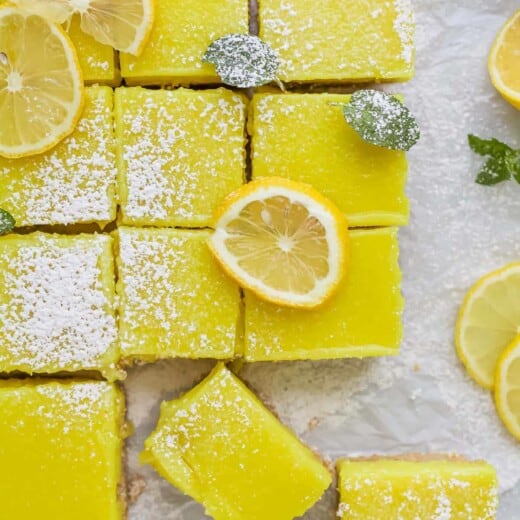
413 489
182 32
173 299
75 182
304 137
61 450
220 445
179 153
57 304
338 41
362 319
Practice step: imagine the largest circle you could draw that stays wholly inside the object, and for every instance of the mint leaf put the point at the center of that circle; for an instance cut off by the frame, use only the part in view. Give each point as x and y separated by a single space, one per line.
503 161
7 222
382 120
492 147
242 60
493 172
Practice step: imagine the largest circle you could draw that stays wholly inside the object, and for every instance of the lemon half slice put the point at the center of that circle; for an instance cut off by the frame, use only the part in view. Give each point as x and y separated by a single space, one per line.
507 389
504 61
488 321
41 86
282 240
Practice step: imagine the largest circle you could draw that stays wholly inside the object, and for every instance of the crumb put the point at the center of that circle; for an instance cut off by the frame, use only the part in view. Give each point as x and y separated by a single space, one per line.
313 423
417 367
136 486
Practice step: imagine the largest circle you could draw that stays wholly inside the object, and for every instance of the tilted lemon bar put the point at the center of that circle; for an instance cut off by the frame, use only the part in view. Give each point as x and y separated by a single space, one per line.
304 137
410 490
57 304
60 450
181 34
97 61
338 41
173 299
75 182
362 319
179 153
221 446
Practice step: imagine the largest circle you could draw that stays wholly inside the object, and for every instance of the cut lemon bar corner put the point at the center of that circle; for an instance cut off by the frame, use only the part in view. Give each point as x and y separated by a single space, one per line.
417 487
220 445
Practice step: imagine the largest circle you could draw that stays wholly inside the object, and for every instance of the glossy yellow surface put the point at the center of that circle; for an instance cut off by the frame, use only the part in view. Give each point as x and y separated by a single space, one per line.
304 137
220 445
179 153
173 299
57 304
181 34
97 61
60 450
75 182
402 490
362 319
334 40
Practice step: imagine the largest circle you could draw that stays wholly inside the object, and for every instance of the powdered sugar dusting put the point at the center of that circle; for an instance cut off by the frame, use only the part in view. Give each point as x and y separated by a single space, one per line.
182 151
57 306
72 183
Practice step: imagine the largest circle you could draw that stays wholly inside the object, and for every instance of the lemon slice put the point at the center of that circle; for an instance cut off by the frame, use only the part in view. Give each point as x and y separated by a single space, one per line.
488 321
282 240
41 87
507 389
122 24
504 61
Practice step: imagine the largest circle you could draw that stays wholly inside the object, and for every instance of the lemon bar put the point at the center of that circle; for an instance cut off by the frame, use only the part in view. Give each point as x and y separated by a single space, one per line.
57 304
181 34
97 61
75 182
173 299
179 153
60 450
362 319
304 137
220 445
411 490
338 41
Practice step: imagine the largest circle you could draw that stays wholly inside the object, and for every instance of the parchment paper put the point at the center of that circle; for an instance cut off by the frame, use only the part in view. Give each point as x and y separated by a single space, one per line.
421 401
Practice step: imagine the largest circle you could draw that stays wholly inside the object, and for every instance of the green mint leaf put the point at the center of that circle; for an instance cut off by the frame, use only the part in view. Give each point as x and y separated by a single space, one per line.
495 170
242 60
513 163
382 120
492 147
7 222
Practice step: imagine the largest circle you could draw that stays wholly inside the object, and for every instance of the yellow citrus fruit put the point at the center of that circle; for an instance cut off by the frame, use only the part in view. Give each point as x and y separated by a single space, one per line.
488 321
504 61
41 86
122 24
507 388
282 240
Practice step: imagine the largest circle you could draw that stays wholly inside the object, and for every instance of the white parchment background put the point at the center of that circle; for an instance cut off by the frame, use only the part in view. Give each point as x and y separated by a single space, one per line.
422 401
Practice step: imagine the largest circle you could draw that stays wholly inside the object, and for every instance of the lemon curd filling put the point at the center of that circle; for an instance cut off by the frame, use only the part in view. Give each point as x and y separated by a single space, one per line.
61 450
220 445
408 490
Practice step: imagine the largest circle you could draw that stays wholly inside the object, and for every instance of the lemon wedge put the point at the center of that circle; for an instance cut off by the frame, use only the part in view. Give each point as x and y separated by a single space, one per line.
504 61
124 25
507 389
282 240
41 86
488 321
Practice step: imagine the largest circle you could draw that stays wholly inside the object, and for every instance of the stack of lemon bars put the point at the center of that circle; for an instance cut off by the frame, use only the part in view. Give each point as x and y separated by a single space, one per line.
111 266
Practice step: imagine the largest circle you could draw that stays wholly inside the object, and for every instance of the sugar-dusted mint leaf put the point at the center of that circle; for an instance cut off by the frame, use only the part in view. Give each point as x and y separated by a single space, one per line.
382 120
7 222
492 147
242 60
513 164
493 172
